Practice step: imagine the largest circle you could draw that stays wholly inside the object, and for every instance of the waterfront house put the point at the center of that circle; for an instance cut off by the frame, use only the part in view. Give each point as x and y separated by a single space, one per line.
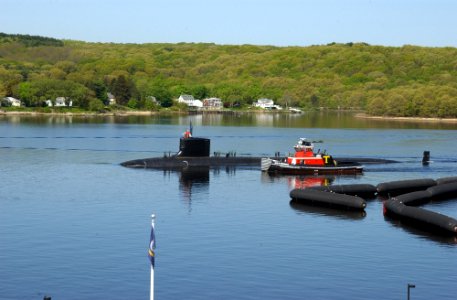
190 101
266 103
60 102
48 103
212 103
12 101
153 100
111 99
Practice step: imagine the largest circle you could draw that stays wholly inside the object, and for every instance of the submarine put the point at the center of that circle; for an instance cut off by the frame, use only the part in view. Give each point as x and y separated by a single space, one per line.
194 152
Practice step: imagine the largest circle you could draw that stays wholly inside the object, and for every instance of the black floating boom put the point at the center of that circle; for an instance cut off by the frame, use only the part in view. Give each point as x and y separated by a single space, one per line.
415 198
360 190
395 208
442 191
310 196
404 186
444 180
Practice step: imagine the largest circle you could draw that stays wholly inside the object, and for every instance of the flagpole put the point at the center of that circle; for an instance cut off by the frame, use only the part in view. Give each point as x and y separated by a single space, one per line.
151 296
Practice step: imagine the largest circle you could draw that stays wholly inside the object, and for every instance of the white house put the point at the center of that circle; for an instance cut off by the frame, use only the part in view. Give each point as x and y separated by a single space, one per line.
266 104
60 101
153 100
212 103
48 103
111 99
13 101
190 101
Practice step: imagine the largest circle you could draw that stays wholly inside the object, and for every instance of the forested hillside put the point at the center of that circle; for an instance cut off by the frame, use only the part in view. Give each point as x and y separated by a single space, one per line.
394 81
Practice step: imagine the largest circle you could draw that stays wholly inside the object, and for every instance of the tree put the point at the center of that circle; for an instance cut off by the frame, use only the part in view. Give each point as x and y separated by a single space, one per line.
163 95
159 90
122 90
199 92
28 94
100 90
35 92
96 105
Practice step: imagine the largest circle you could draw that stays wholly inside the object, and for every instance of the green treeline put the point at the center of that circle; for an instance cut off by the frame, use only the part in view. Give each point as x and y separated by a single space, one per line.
391 81
30 40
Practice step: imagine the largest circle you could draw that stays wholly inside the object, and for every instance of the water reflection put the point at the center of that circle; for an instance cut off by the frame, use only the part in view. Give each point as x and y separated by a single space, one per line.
310 119
423 231
306 181
195 180
302 182
327 211
298 182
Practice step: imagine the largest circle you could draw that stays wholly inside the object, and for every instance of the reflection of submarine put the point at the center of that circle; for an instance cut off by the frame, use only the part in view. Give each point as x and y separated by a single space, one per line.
327 211
193 180
195 175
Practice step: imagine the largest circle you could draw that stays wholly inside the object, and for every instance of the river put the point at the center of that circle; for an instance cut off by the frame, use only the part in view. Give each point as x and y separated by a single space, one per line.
74 224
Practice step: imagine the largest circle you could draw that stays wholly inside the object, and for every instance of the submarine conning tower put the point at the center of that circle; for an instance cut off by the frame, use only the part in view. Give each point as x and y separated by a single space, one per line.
194 147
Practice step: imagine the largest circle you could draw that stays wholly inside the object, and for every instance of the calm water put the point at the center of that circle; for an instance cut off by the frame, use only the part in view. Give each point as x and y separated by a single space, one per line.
75 225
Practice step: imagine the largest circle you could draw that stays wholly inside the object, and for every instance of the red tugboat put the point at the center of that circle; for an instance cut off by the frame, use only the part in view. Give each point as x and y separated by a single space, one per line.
305 161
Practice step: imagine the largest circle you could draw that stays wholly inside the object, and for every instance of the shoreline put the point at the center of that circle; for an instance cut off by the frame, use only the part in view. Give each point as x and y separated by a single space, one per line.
81 114
130 113
153 113
407 119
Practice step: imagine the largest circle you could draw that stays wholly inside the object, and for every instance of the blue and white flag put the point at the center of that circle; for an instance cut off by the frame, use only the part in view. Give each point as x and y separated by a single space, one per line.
152 246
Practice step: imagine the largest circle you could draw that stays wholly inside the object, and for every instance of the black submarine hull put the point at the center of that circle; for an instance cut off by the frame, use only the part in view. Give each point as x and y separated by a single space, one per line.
180 162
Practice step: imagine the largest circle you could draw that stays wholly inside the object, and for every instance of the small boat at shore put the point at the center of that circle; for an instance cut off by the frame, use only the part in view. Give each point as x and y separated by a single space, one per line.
306 161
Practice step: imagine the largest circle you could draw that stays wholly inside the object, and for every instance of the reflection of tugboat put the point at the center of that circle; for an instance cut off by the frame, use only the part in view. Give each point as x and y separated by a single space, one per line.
303 182
305 161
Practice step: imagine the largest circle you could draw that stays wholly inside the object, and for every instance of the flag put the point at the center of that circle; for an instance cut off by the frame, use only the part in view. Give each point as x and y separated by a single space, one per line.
152 246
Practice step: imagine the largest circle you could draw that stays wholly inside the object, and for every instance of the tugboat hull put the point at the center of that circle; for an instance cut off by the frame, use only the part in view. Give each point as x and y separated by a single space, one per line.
278 167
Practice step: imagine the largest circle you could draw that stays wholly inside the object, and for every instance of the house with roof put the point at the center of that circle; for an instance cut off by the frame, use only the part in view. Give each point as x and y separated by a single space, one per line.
153 100
266 103
190 101
60 102
111 99
212 103
12 101
48 103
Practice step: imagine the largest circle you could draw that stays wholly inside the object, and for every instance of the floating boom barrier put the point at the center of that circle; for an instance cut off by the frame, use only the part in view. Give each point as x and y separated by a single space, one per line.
409 193
313 196
360 190
401 207
395 208
404 186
